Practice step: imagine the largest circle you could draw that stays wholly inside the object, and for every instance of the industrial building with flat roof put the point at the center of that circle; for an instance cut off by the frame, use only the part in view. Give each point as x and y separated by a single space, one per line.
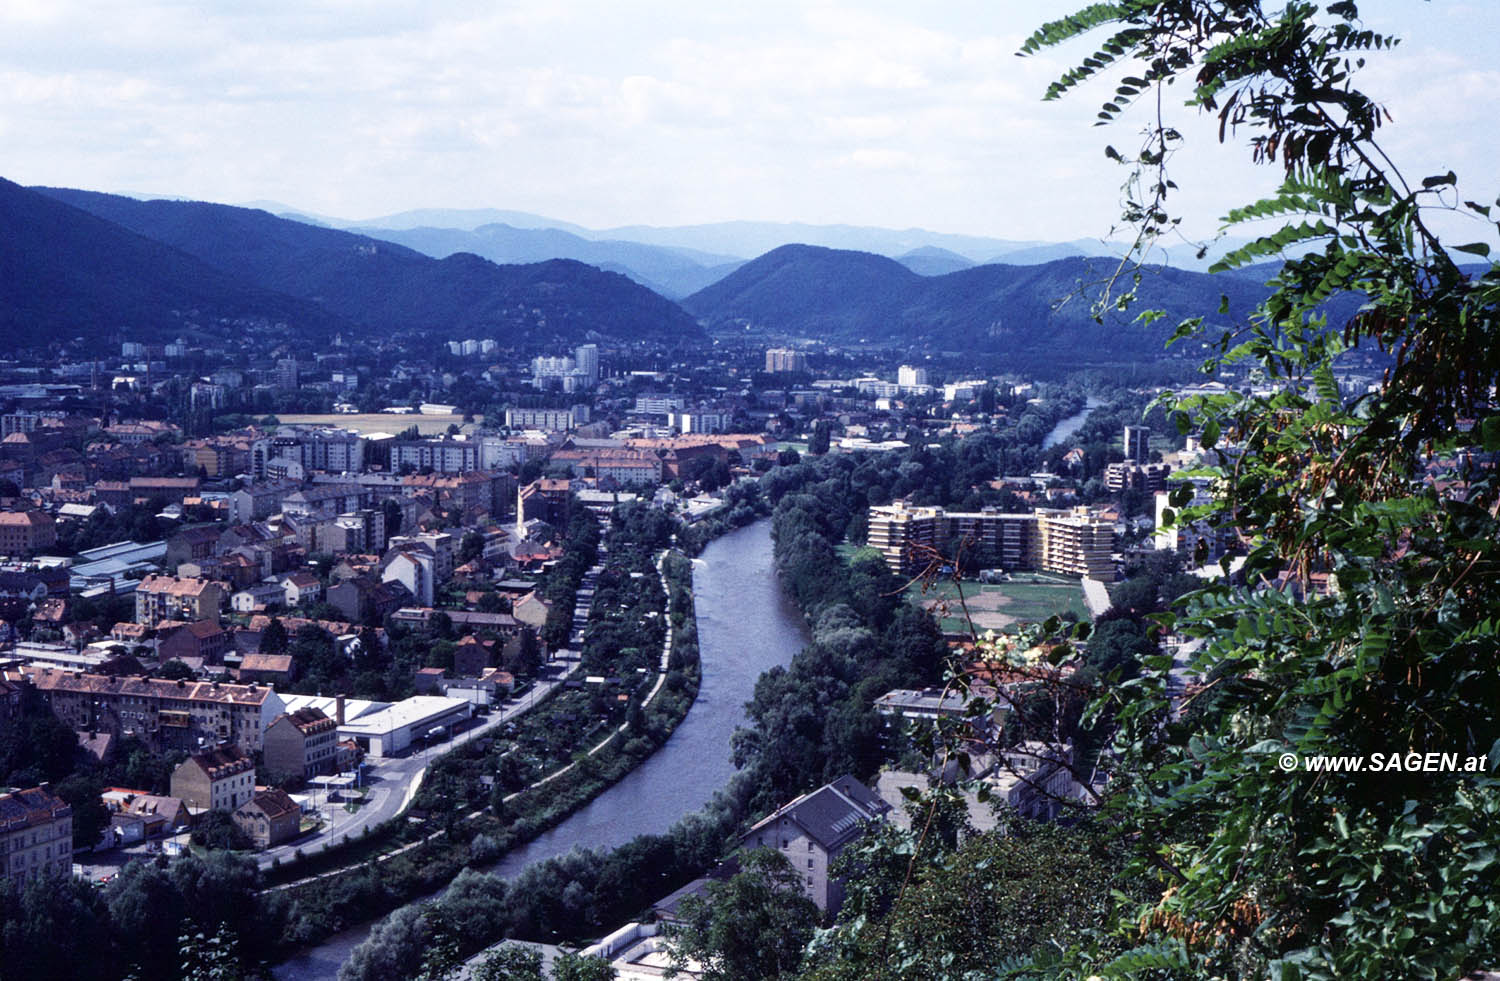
392 730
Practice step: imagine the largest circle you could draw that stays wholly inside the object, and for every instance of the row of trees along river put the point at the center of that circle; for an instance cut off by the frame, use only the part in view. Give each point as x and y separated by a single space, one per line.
745 626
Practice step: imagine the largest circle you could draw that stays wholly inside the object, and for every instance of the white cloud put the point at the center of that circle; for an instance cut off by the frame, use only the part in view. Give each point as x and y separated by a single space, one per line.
660 113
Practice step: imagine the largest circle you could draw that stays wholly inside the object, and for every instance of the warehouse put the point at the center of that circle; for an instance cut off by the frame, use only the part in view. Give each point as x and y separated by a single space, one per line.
393 730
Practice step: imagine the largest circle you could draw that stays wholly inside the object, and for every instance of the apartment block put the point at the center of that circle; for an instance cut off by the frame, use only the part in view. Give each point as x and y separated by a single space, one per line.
163 714
36 835
1069 541
780 359
159 598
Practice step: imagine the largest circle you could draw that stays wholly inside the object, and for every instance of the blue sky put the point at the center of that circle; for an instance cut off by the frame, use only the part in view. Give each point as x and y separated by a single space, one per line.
658 112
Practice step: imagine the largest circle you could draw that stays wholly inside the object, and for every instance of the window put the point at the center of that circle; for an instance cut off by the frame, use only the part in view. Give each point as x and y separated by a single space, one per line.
809 863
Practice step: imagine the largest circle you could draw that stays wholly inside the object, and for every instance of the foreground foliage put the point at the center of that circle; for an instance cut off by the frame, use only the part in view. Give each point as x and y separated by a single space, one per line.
1365 619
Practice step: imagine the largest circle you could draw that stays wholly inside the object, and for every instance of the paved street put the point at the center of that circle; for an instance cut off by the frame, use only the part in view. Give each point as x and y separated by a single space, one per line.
388 781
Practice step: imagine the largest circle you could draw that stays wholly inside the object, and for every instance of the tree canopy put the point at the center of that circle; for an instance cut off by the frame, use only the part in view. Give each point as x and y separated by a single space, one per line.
1364 621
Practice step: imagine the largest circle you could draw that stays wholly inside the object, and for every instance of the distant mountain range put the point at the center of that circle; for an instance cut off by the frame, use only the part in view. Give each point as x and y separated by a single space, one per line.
386 287
1015 311
81 263
65 273
677 261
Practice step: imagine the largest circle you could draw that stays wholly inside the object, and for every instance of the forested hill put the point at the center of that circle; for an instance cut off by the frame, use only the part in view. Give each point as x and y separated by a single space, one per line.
1031 313
387 287
65 273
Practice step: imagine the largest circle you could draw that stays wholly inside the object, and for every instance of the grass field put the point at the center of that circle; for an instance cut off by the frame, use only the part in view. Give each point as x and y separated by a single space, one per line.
379 422
996 607
1028 597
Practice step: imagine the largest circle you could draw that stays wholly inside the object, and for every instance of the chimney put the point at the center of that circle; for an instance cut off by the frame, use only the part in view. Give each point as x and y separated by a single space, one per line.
338 709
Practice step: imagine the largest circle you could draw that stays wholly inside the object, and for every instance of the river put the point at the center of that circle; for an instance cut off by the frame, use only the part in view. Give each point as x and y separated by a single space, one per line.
1067 427
746 625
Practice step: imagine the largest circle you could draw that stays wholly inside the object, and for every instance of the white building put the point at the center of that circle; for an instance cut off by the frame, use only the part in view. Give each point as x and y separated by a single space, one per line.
392 730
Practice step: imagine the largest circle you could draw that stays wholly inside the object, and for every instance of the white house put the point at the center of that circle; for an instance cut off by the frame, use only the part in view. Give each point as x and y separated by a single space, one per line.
413 566
301 587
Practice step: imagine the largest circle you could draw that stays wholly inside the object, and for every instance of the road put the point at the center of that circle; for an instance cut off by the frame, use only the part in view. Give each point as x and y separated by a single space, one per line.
391 781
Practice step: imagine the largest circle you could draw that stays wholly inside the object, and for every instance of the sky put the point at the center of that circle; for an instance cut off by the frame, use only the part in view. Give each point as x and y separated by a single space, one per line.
659 112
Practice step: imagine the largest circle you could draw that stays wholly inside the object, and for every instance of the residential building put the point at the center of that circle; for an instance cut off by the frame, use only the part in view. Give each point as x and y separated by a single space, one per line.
304 742
586 357
301 587
193 544
1137 444
413 565
36 835
812 830
163 714
1069 541
269 818
780 359
444 547
1147 477
435 455
365 598
259 501
623 466
700 420
326 501
257 596
160 598
267 669
659 405
910 377
219 779
548 420
202 640
26 532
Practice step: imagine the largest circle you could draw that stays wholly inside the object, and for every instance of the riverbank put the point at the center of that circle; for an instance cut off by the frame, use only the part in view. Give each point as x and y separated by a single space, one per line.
432 844
744 625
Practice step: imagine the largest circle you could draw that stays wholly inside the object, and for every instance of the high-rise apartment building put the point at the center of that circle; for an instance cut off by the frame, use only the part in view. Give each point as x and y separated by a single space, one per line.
587 359
785 359
1137 444
1071 541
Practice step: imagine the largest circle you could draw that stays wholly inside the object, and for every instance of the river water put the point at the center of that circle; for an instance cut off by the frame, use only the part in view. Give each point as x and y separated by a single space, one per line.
1067 427
746 625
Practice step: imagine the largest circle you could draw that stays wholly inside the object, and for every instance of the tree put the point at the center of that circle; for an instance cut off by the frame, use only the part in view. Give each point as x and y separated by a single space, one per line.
510 962
753 925
90 816
945 914
273 639
392 512
1264 872
174 670
54 929
818 444
396 948
212 958
575 967
216 829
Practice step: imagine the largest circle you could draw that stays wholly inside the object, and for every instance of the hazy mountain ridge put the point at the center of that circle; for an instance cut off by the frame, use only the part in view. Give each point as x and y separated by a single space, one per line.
65 272
673 272
388 287
1030 312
